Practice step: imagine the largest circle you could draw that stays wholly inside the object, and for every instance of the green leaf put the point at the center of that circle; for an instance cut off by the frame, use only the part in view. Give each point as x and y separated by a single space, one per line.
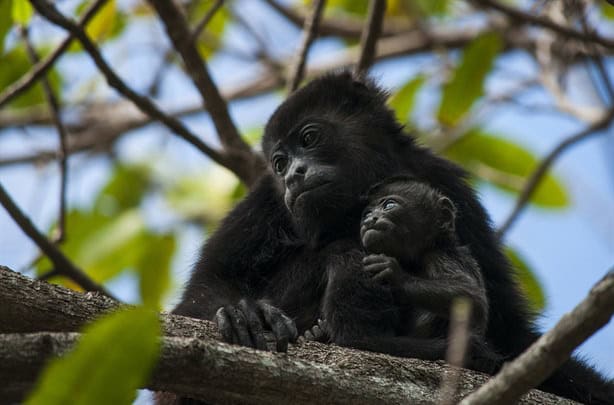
467 83
205 197
102 26
13 66
124 190
154 267
513 161
6 20
433 7
210 39
113 358
527 280
607 10
22 12
402 102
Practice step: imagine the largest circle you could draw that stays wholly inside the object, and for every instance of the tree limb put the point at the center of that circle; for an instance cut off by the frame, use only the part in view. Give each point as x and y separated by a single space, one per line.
60 262
551 350
145 104
193 363
247 164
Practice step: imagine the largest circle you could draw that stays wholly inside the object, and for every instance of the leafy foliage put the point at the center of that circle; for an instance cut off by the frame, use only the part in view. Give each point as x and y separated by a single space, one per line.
467 83
511 162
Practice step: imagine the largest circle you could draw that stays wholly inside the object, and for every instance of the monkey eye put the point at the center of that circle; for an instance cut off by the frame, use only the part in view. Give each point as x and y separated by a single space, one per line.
389 204
309 134
279 164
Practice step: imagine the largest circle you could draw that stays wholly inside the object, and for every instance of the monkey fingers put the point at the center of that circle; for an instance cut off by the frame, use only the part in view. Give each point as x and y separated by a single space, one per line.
254 323
282 326
317 333
233 326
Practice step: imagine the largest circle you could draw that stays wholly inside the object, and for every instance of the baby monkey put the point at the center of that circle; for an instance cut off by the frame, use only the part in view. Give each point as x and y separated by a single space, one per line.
413 270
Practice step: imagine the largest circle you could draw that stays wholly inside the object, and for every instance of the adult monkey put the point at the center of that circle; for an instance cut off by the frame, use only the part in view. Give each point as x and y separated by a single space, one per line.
327 145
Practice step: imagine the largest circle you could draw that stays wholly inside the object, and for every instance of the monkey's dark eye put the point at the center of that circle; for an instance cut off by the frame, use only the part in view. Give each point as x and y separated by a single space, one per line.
309 135
279 164
389 204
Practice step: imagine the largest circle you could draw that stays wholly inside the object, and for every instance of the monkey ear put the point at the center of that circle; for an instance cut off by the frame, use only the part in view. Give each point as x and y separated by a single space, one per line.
447 211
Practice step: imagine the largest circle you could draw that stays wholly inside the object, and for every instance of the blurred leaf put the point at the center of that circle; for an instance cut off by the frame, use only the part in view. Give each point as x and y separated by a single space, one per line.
108 22
402 102
467 83
113 358
431 7
125 189
358 8
13 66
508 158
22 12
206 197
6 20
210 40
154 267
527 280
607 10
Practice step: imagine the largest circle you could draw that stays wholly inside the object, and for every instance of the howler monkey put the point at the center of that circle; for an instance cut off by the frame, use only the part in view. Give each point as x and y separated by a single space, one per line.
399 301
327 144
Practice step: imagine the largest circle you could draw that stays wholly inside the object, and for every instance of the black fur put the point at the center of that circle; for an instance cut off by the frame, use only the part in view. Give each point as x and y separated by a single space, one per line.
271 255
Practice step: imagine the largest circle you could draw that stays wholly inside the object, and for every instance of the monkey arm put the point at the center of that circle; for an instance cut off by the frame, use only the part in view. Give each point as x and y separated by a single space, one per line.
448 276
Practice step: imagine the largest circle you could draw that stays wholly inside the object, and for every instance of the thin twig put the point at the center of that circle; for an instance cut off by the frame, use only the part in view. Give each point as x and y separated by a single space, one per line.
540 172
457 349
62 155
546 23
551 350
145 104
41 67
60 262
370 34
309 33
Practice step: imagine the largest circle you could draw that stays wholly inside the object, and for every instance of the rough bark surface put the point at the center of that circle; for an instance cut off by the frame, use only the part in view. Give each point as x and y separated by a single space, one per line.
38 320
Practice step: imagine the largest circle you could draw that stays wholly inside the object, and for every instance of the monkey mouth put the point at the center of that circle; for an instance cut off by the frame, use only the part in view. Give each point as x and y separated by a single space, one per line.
292 198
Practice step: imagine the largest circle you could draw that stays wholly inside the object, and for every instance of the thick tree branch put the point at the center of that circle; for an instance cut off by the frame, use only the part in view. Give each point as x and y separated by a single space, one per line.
194 363
539 173
551 350
370 34
248 165
27 81
60 262
309 34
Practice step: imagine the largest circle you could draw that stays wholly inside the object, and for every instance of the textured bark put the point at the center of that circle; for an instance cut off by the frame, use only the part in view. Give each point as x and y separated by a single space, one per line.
36 319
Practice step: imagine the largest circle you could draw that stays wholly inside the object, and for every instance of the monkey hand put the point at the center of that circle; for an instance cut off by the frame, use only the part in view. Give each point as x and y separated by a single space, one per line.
384 270
248 322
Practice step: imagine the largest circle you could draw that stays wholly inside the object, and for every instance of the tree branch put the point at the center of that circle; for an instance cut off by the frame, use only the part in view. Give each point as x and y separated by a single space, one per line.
546 23
23 84
60 262
539 173
145 104
251 165
193 363
551 350
309 33
370 34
